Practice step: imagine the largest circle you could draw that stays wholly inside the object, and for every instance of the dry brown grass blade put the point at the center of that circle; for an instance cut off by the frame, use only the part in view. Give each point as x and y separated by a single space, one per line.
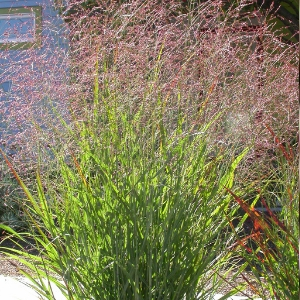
250 284
203 105
12 169
79 170
289 156
273 216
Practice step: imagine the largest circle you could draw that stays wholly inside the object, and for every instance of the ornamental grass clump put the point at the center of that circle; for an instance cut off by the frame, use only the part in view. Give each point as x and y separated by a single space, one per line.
137 212
130 200
228 45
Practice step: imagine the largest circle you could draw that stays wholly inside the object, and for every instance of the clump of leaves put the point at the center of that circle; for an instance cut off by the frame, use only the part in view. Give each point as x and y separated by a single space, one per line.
271 249
138 214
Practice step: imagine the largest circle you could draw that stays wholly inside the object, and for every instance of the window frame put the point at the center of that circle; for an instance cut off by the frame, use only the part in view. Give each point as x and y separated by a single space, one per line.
22 45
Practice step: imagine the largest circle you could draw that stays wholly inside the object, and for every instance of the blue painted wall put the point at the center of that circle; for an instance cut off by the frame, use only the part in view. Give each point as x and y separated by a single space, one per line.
32 77
53 32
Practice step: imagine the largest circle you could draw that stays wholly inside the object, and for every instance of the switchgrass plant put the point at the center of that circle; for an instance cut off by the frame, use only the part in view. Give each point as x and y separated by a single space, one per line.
231 48
145 78
226 51
137 212
216 59
271 250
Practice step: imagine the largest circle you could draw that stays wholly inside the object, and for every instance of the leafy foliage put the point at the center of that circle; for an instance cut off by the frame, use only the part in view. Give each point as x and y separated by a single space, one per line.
133 217
161 102
271 249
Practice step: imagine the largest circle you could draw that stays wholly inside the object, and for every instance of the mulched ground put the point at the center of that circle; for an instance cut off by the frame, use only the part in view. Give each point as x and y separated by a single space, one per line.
9 266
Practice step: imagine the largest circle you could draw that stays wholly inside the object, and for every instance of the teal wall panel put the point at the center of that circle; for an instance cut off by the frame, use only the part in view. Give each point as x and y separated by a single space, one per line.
32 74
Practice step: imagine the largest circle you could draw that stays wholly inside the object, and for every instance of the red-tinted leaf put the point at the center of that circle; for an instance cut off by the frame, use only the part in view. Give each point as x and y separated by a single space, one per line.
277 222
250 284
273 216
259 223
288 156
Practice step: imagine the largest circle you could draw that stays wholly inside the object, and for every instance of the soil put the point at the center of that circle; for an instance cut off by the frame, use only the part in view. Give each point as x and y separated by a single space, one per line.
11 267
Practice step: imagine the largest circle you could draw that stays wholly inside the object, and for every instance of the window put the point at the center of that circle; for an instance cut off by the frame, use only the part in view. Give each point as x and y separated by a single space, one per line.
20 28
